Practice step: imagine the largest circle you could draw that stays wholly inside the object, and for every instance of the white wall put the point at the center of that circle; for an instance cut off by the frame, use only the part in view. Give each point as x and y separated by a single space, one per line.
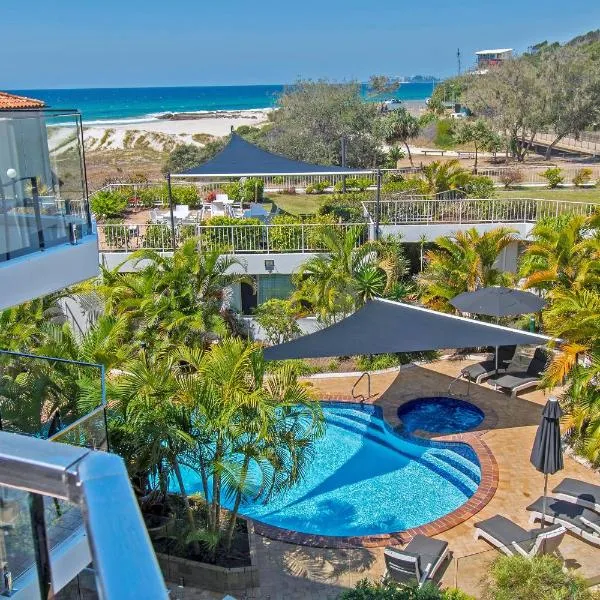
40 273
253 264
413 233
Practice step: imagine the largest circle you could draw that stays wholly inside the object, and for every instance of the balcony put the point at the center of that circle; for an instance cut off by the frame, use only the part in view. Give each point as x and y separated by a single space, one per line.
47 237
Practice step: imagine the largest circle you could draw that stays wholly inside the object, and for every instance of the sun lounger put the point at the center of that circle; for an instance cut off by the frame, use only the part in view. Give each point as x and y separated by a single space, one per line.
520 380
578 520
485 369
182 211
578 492
418 562
512 539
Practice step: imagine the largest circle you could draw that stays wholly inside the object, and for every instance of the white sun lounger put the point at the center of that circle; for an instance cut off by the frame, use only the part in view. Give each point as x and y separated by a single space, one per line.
578 520
512 539
418 562
578 492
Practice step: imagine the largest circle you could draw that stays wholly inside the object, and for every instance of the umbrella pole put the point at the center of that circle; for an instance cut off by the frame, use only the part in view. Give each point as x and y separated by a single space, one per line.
496 360
544 500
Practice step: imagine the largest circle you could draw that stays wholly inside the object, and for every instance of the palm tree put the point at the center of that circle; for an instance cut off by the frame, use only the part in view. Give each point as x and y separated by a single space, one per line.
442 176
337 283
179 298
400 126
253 430
565 252
463 263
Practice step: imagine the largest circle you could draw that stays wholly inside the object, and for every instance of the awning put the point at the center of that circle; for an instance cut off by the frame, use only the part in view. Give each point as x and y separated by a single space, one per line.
383 326
240 158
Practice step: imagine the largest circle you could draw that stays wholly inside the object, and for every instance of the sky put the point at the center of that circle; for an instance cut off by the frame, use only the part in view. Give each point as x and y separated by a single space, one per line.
131 43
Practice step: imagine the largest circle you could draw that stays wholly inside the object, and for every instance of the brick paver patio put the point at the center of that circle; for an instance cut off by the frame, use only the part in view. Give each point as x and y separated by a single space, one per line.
296 572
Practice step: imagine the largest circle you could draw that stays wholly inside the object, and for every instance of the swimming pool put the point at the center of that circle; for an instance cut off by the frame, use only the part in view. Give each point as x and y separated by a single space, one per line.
364 480
440 415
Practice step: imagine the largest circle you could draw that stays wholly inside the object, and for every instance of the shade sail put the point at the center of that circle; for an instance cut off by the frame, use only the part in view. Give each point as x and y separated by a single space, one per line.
383 326
240 158
498 302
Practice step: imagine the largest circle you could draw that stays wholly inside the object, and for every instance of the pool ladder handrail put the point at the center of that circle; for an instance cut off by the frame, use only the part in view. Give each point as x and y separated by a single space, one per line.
361 396
459 376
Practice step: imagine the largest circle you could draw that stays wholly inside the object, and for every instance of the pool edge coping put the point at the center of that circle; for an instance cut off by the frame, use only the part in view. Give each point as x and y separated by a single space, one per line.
482 496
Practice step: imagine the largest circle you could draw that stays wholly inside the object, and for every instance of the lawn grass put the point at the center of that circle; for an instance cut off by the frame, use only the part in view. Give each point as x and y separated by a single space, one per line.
297 204
569 194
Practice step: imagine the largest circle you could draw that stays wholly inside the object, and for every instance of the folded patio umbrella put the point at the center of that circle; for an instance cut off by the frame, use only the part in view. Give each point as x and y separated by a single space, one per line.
498 302
546 454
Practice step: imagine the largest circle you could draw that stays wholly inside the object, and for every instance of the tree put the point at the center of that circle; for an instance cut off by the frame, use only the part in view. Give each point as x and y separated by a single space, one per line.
382 84
315 115
442 176
562 253
463 263
277 318
254 431
400 126
479 134
571 79
182 297
337 283
186 156
511 97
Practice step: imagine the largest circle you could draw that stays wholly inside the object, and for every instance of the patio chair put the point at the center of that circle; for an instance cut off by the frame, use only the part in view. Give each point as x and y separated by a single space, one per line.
182 211
578 492
156 217
418 562
512 539
578 520
485 369
217 208
520 380
222 198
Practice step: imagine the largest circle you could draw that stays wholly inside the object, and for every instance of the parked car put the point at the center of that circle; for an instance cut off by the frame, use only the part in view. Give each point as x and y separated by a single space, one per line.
393 104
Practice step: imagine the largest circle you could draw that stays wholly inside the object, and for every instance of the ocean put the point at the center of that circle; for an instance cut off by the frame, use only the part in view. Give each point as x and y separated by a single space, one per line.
105 105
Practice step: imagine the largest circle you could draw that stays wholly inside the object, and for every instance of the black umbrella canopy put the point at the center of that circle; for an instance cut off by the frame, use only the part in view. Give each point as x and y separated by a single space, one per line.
498 302
546 454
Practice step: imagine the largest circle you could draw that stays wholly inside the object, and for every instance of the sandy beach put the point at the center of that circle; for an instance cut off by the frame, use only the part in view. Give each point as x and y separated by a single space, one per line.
163 133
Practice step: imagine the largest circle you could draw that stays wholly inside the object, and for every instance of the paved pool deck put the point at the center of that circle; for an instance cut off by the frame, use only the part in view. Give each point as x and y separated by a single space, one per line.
296 572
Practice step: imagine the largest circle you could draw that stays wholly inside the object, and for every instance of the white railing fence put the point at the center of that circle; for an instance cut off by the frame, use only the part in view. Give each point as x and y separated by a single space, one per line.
234 239
472 210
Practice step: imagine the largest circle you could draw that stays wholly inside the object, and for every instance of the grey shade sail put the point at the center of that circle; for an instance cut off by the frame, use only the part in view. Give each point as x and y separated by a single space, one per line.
498 302
383 326
240 158
546 454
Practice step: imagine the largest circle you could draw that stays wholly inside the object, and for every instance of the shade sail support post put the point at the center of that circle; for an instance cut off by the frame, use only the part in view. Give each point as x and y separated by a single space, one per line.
170 196
378 204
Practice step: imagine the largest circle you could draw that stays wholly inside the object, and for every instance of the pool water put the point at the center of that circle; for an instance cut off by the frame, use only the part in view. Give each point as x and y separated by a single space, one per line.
364 479
440 415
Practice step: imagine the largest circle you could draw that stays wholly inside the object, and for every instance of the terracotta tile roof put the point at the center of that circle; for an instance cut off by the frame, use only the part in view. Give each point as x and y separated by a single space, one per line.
12 102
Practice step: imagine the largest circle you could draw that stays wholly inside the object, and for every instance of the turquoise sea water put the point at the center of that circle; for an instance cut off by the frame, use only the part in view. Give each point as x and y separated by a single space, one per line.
365 480
116 104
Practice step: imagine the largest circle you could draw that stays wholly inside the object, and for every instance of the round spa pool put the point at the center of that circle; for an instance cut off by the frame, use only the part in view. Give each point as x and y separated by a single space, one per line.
364 479
440 415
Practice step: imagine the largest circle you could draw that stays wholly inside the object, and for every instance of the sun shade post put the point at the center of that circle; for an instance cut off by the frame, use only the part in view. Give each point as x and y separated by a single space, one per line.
378 204
170 195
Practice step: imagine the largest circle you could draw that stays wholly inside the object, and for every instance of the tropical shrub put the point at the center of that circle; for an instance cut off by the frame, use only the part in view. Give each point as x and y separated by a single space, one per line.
554 176
285 233
233 191
181 194
278 319
444 136
346 207
540 577
278 180
318 187
479 186
410 185
583 176
511 177
158 236
248 190
107 204
116 234
360 184
246 232
367 590
393 156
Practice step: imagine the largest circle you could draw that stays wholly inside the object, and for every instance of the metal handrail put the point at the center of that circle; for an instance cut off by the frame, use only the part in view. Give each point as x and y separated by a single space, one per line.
361 396
125 564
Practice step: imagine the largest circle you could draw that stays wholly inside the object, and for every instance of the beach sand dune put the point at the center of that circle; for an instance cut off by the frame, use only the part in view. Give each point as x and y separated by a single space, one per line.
164 133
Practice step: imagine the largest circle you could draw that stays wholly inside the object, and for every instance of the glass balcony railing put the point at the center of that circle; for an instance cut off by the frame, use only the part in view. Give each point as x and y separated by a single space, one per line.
53 398
43 192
